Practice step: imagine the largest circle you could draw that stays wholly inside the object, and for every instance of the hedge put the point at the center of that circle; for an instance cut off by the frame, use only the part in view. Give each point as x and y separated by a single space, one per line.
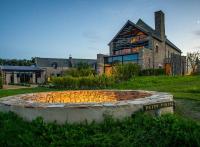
90 82
152 72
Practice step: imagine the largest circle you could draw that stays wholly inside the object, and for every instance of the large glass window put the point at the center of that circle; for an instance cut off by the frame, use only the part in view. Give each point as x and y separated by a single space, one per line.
133 57
117 59
109 59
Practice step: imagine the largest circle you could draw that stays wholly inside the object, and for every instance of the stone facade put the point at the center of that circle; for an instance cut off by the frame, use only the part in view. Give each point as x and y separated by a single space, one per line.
57 66
22 74
139 43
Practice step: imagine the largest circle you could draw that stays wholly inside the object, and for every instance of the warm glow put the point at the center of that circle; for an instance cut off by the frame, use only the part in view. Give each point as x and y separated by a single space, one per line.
85 96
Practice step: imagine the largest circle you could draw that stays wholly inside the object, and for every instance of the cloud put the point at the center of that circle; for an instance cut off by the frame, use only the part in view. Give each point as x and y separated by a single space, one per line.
195 48
197 32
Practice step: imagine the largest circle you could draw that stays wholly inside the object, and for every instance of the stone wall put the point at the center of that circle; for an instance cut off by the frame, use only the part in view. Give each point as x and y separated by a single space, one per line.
170 50
160 55
146 58
51 71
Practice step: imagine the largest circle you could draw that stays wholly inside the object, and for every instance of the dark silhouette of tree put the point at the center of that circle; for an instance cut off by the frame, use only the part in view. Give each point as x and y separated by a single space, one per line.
17 62
193 60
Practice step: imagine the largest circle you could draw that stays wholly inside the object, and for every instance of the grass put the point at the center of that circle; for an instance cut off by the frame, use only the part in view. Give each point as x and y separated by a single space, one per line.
185 89
138 130
9 92
182 87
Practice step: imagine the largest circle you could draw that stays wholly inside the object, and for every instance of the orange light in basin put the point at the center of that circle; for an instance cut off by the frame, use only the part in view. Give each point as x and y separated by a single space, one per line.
84 96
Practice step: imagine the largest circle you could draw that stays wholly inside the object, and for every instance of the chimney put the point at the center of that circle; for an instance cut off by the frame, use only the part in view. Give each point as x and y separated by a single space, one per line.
160 24
70 61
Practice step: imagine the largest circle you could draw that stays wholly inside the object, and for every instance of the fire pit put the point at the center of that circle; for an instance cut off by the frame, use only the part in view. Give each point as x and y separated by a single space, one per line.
80 105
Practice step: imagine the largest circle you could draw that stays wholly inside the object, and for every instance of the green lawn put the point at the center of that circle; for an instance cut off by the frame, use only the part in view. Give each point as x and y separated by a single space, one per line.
9 92
187 87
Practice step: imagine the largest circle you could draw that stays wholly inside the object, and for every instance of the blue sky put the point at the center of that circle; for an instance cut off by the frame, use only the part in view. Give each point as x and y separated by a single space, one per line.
83 28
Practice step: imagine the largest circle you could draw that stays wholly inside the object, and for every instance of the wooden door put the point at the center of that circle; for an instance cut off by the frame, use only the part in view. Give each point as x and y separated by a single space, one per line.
168 69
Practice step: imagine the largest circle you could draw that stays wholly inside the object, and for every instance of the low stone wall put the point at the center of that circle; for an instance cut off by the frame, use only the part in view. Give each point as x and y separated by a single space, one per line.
29 109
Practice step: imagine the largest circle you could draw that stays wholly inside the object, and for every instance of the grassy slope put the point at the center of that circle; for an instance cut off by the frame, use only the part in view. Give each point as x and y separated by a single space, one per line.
187 87
186 91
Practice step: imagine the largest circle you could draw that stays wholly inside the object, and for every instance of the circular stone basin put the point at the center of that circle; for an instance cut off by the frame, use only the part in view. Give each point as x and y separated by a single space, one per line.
91 105
85 96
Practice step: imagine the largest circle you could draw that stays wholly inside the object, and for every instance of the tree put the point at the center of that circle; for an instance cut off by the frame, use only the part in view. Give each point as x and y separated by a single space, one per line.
17 62
123 72
193 60
82 65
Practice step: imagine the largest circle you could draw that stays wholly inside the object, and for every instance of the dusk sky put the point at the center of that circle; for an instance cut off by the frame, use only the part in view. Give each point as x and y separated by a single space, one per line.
83 28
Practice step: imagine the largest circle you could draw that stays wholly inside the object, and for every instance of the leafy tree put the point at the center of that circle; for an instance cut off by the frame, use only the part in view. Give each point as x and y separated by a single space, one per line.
82 65
17 62
193 60
123 72
81 70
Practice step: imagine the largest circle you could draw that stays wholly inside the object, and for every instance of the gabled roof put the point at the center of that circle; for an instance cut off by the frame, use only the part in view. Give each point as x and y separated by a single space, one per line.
129 22
172 45
47 62
61 62
88 61
141 25
19 68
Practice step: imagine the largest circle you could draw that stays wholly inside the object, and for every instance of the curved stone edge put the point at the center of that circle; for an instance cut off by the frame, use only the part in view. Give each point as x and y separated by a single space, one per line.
76 113
17 101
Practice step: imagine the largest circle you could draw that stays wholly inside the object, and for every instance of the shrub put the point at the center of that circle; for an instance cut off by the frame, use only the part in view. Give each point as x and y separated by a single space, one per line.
21 84
89 82
151 72
195 73
138 130
81 69
122 72
75 72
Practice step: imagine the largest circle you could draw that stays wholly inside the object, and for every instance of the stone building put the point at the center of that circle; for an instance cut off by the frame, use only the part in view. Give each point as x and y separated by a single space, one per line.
41 71
57 66
22 74
141 44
